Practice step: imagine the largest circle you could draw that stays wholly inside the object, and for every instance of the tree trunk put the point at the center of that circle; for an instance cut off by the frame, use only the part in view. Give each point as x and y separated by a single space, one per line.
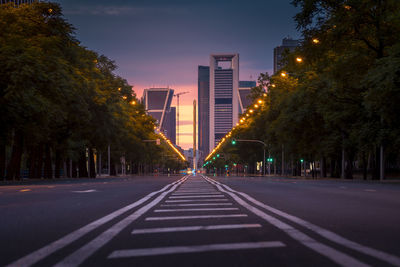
14 166
68 168
322 166
39 161
48 168
113 171
57 167
82 165
91 164
376 170
365 166
74 173
2 159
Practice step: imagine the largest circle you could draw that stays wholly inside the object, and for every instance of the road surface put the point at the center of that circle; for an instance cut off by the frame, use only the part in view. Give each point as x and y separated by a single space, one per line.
200 221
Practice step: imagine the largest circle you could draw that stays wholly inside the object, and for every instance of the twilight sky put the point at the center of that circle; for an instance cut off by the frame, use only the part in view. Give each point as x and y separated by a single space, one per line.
159 43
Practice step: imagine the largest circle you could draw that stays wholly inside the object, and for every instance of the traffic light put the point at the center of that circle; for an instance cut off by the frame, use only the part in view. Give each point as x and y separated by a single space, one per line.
233 142
270 160
217 155
301 160
213 158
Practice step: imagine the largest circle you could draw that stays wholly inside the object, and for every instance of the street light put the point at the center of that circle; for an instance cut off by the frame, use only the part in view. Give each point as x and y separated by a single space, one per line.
259 101
299 59
315 41
283 74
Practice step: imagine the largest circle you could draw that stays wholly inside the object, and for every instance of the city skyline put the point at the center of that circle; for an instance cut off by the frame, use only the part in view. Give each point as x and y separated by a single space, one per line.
160 44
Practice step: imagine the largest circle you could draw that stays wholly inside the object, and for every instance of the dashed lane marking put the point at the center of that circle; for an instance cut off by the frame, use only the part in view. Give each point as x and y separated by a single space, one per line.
194 217
201 209
194 228
196 204
192 249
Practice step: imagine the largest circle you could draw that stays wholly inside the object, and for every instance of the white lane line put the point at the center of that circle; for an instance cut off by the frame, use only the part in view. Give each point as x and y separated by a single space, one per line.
196 189
331 253
85 191
201 209
194 192
194 217
80 255
194 196
195 200
194 228
45 251
384 256
192 249
196 204
197 193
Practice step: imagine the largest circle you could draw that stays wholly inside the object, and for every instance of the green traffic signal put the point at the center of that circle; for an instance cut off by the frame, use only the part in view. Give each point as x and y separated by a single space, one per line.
213 158
301 160
217 155
270 159
233 142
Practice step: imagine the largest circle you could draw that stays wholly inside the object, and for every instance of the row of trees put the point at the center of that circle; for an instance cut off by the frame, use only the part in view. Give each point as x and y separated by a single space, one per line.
335 104
61 104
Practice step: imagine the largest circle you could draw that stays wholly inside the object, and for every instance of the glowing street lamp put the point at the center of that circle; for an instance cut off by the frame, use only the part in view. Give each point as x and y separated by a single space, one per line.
283 74
315 41
259 101
299 59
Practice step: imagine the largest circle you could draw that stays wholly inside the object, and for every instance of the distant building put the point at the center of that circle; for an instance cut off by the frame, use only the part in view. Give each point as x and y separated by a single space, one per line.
244 94
288 44
224 108
157 102
18 2
203 110
170 125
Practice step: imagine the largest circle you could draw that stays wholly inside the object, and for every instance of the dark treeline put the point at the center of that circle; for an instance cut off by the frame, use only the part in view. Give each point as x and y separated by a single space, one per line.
61 104
335 104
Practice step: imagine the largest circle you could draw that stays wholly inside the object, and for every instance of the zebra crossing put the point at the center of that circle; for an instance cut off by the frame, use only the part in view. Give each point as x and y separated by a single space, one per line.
195 189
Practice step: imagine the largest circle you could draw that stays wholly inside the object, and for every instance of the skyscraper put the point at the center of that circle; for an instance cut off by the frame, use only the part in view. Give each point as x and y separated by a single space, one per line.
204 110
288 44
224 107
244 93
170 125
158 104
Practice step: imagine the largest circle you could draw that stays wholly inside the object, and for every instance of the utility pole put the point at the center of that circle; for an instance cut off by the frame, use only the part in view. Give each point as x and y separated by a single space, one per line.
194 136
177 97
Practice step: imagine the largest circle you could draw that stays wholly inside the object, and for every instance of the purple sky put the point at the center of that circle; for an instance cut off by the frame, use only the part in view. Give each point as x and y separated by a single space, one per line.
161 43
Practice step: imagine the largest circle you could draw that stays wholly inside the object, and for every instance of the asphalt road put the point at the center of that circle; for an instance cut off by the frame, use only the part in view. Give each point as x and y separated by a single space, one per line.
200 221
